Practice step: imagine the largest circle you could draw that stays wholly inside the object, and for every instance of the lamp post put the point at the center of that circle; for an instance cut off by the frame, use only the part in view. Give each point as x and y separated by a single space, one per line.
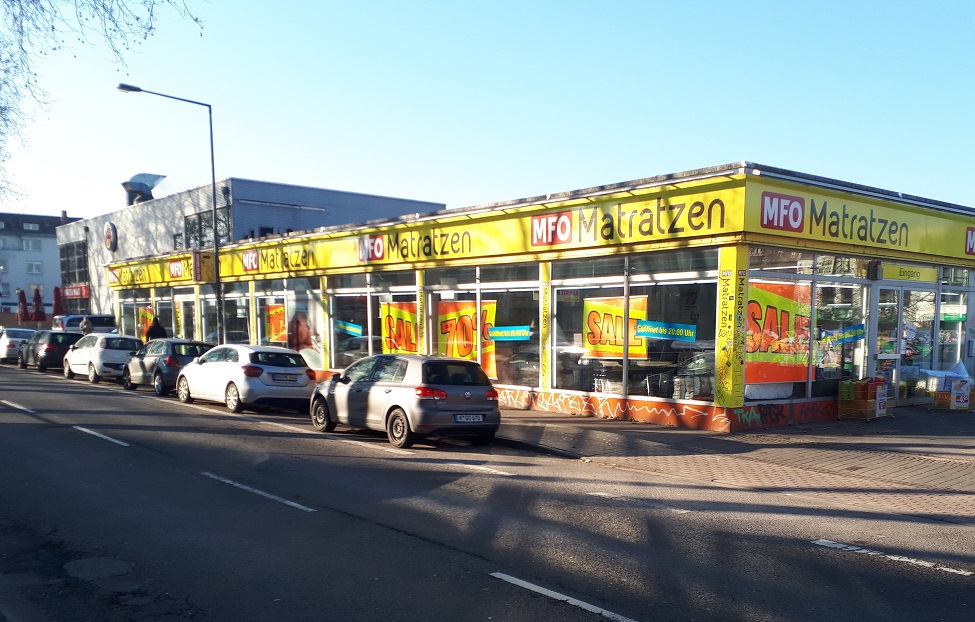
128 88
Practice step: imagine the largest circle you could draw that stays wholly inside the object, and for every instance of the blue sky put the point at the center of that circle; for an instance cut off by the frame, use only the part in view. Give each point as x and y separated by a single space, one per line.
467 103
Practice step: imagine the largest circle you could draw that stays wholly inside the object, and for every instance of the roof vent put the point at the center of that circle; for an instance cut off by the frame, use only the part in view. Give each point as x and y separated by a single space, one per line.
139 188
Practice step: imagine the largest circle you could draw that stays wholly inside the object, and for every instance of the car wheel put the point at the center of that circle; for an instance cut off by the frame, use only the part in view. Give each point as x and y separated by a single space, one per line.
183 391
319 416
485 438
398 429
67 370
21 362
232 399
127 381
158 386
93 376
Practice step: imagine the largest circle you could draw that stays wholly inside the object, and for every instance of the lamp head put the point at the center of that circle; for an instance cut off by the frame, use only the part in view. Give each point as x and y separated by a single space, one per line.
128 88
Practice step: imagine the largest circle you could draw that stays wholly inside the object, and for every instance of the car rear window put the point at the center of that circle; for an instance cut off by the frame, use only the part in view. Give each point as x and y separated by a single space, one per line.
102 322
123 344
277 359
444 372
190 349
65 339
14 333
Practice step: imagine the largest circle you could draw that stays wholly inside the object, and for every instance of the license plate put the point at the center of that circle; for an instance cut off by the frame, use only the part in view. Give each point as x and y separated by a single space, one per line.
468 418
284 377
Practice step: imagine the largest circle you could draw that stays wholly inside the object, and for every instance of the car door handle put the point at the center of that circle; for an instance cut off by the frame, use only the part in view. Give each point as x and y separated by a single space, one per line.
388 391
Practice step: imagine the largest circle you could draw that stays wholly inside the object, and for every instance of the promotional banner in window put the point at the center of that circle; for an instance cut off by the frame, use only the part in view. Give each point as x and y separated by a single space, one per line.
603 330
275 326
777 338
457 324
399 327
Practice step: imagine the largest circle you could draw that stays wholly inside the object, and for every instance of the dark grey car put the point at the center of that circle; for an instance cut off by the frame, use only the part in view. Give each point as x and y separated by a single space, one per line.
46 348
410 397
158 363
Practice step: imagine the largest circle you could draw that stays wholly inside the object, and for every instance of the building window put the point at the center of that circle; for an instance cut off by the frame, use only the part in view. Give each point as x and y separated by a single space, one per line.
177 241
30 226
32 287
74 263
3 265
4 290
32 244
199 228
34 267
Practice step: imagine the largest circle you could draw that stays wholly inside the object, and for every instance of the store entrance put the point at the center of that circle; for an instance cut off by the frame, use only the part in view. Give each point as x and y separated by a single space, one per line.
904 342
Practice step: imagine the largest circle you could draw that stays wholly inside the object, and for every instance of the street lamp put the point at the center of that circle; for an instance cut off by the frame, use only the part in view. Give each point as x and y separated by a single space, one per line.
128 88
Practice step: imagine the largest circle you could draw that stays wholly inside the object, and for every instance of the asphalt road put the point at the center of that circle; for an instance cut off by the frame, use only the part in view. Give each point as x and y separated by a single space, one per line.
121 506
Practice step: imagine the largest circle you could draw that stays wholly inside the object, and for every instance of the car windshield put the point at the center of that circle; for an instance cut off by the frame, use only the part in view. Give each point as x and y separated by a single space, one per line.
277 359
453 372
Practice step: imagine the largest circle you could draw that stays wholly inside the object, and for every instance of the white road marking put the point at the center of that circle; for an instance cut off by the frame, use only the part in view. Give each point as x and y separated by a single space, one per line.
102 436
17 406
640 502
258 492
897 558
478 467
555 595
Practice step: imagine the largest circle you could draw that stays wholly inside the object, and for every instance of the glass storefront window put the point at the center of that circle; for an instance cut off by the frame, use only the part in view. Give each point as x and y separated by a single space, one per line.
588 268
951 336
516 344
304 302
838 265
780 260
840 336
350 340
954 276
588 335
514 272
272 323
693 260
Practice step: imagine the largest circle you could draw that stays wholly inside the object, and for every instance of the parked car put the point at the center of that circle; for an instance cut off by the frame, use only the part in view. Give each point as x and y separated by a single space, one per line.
46 348
100 323
410 397
10 341
159 361
99 355
245 376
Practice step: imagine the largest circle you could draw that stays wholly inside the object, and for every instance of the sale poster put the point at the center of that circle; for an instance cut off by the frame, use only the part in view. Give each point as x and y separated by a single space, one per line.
777 332
399 327
457 327
603 331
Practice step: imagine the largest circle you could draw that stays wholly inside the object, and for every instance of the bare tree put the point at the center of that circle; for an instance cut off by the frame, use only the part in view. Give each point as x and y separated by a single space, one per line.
33 29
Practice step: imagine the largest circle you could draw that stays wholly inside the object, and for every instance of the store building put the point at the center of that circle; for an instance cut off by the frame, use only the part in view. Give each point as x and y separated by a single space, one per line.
246 209
725 298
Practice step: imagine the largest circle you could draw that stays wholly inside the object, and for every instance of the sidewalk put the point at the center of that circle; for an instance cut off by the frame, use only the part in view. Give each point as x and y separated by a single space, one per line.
916 461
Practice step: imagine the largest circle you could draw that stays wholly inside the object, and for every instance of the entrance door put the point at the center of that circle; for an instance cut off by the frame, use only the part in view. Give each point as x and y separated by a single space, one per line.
904 341
186 321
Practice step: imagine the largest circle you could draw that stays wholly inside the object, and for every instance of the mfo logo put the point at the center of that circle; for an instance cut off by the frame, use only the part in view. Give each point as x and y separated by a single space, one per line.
550 229
970 241
783 212
176 269
251 261
372 248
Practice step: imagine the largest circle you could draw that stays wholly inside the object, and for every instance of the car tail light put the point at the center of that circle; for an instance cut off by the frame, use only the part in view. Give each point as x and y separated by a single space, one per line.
252 371
429 393
48 347
492 395
171 361
310 374
103 344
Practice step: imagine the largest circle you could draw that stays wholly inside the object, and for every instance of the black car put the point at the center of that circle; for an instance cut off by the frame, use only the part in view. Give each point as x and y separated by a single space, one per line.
46 348
159 361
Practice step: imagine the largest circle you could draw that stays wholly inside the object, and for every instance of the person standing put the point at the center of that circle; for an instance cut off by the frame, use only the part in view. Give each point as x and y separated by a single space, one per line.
86 326
155 330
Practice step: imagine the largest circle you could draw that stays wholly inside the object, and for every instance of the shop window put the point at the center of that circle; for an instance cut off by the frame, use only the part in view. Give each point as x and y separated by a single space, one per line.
838 265
780 260
673 353
384 280
697 260
954 276
350 340
304 309
272 321
951 328
515 272
588 337
588 268
840 336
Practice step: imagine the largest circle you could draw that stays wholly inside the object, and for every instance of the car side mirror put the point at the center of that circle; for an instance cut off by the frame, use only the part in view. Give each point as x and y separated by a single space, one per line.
344 379
197 360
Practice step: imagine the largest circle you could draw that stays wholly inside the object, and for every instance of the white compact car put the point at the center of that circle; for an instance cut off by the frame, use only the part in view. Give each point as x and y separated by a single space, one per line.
244 376
100 355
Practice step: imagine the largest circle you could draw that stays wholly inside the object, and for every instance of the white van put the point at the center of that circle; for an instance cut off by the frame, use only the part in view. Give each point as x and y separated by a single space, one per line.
102 323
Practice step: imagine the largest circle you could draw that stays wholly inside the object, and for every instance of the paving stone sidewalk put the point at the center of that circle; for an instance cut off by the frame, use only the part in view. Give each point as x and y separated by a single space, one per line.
917 461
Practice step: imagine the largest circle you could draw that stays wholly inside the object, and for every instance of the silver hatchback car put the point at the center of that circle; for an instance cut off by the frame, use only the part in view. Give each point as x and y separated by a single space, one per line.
410 397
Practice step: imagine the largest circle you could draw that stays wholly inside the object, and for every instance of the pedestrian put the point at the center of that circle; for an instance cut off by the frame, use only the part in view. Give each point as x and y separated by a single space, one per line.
155 330
86 326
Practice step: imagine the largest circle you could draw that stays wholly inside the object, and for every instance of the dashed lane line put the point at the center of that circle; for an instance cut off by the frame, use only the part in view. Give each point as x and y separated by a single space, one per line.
562 597
897 558
261 493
